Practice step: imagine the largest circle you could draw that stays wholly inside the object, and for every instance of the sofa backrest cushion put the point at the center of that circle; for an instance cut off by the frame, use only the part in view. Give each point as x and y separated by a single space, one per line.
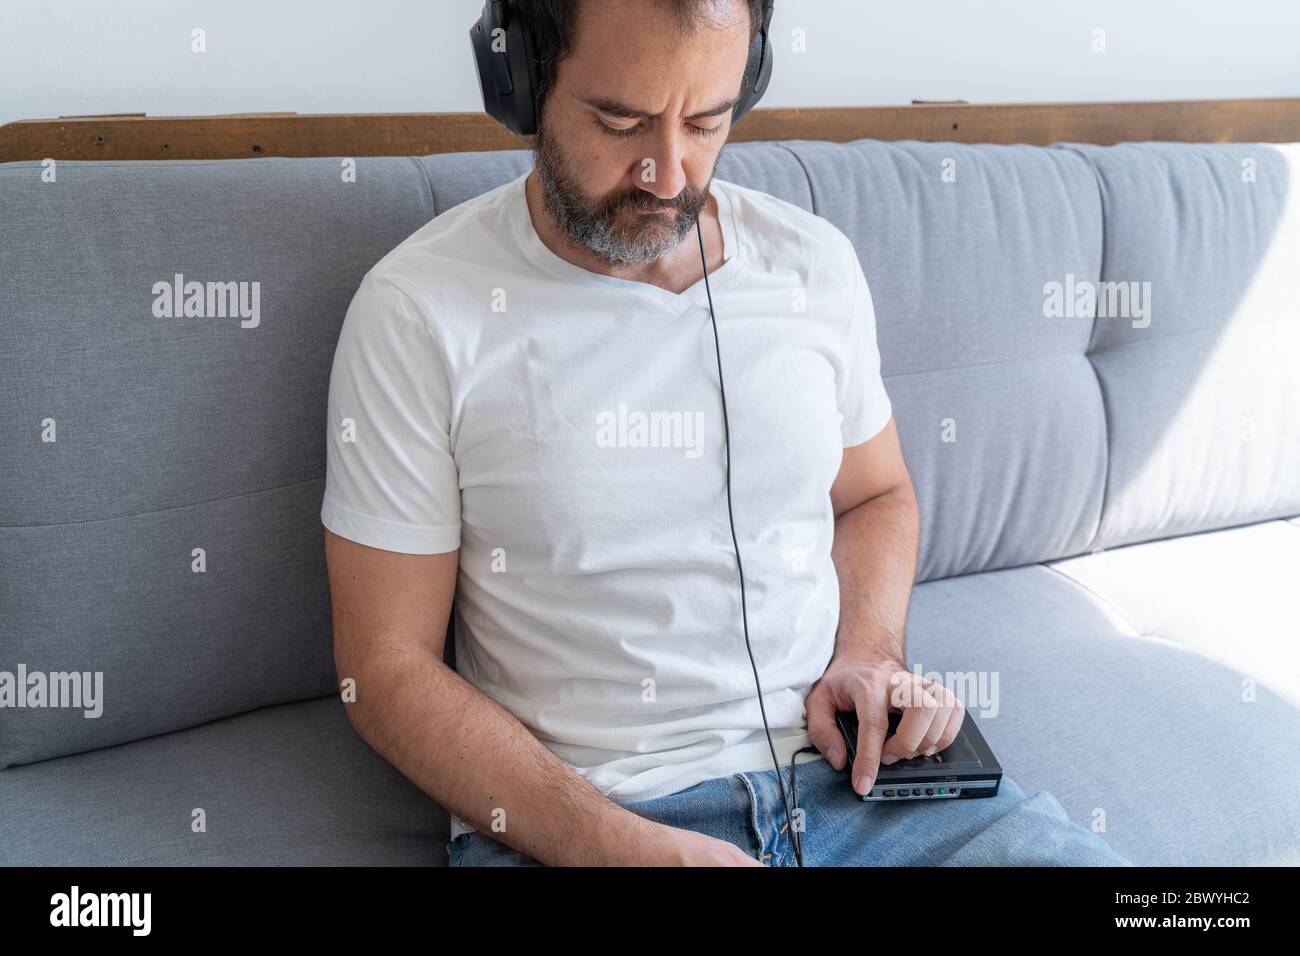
1203 403
997 407
173 434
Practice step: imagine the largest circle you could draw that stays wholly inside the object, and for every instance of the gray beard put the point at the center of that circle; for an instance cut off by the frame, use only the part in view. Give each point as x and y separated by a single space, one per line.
597 230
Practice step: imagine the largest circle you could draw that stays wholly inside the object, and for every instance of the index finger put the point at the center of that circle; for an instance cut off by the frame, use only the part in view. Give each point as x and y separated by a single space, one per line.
873 724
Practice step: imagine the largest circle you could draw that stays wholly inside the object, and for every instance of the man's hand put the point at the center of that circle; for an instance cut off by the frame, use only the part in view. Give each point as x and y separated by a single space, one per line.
873 689
688 848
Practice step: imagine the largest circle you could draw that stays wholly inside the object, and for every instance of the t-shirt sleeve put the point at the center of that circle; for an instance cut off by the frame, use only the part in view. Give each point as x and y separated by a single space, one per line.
390 476
863 401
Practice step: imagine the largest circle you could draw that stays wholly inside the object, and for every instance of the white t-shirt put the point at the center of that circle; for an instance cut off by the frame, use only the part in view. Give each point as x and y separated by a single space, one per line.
564 429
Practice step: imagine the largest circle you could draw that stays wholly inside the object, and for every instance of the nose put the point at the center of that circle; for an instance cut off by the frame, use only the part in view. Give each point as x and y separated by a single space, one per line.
664 175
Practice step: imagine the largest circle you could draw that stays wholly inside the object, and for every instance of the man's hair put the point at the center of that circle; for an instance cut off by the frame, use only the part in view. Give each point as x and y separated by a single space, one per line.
555 26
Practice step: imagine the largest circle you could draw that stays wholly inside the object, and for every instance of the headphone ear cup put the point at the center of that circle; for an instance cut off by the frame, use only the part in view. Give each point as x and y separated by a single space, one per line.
507 81
758 67
480 42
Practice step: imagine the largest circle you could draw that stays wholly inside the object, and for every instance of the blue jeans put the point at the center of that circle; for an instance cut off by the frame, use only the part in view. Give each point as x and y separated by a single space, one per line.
839 829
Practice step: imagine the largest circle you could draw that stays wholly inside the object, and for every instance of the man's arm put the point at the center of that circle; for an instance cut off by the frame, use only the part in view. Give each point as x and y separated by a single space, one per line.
877 525
457 744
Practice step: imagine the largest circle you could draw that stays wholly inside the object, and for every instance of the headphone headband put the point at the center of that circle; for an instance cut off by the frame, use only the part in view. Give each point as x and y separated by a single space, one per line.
507 71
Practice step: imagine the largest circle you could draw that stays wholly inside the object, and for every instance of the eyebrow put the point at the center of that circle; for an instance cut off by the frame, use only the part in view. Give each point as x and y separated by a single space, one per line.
615 108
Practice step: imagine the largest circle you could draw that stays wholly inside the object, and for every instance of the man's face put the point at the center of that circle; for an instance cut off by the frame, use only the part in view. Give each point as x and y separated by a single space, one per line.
598 168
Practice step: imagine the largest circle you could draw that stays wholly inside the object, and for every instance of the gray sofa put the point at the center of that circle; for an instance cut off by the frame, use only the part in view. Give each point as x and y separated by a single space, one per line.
1110 504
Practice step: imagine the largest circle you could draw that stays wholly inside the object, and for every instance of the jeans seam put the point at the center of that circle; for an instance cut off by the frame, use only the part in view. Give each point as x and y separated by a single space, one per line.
788 855
753 814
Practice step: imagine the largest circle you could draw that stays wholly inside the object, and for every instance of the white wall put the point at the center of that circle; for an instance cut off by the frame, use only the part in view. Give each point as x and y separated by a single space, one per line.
65 57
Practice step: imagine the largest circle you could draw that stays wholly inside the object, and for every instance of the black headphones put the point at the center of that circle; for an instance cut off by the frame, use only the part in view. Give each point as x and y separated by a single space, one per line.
508 77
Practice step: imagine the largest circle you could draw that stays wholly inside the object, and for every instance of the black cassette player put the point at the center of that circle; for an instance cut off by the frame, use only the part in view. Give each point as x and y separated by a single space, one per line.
965 768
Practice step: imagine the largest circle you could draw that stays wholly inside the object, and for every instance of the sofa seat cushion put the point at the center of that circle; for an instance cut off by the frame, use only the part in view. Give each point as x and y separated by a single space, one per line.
1121 682
1110 687
286 785
1232 596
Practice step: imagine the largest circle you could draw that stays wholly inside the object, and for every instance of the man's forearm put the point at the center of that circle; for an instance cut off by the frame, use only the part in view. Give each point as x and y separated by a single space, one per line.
478 761
875 553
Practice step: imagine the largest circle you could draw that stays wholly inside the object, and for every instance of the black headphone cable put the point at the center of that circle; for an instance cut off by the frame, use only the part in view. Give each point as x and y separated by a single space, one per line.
795 839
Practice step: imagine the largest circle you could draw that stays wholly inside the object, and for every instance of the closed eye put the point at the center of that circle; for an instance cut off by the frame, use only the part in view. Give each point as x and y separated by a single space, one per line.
701 131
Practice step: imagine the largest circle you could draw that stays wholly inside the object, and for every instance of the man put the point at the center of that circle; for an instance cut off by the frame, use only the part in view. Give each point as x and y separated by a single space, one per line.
524 410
